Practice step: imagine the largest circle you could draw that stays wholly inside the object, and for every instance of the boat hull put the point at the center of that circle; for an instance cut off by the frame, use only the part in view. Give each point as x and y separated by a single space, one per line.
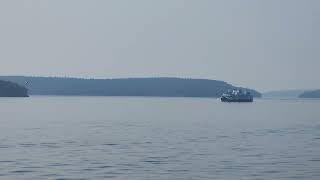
223 99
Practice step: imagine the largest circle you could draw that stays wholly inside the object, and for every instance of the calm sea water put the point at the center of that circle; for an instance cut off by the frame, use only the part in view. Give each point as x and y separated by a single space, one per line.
158 138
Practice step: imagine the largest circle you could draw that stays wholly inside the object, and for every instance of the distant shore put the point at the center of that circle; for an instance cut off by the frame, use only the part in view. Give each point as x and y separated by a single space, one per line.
292 94
10 89
144 87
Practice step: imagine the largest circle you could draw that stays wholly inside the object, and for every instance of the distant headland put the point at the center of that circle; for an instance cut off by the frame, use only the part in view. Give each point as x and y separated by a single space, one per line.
159 87
283 94
9 89
292 94
310 94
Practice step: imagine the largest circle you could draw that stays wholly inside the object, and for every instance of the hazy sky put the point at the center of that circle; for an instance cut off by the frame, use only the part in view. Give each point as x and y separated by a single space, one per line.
263 44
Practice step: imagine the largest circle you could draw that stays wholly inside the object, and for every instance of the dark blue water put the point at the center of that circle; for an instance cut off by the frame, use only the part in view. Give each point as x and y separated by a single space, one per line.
158 138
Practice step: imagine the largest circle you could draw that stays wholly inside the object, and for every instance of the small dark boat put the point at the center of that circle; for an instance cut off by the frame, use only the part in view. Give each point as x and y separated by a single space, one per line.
237 95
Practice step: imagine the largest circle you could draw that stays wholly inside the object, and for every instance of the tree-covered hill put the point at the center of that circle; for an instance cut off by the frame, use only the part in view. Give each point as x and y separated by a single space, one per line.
9 89
163 87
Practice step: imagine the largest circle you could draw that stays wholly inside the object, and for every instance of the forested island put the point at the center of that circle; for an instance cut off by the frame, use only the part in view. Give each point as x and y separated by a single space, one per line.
311 94
9 89
161 87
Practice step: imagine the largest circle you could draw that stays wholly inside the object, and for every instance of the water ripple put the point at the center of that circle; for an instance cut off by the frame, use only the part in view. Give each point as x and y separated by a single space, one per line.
78 138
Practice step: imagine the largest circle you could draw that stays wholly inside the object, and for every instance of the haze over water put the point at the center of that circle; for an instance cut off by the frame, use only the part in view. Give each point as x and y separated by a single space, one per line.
158 138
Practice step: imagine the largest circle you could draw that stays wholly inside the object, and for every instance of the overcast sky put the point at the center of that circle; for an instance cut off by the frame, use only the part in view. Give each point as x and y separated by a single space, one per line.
262 44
